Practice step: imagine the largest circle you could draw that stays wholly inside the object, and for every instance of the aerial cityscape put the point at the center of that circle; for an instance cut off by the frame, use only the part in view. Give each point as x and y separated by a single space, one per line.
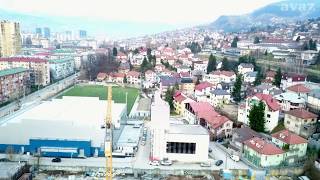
160 90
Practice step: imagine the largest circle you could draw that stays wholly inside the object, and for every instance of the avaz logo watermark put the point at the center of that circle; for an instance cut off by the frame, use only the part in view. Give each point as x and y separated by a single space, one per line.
302 7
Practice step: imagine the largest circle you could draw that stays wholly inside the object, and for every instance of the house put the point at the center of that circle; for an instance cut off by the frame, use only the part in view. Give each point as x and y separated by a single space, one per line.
203 113
167 82
116 77
225 86
220 76
272 110
133 77
295 147
179 102
219 97
61 68
239 136
289 101
159 68
313 100
187 85
262 153
266 89
101 76
121 56
270 75
250 77
143 109
309 57
124 67
200 66
299 89
244 68
150 76
183 68
202 91
301 122
291 79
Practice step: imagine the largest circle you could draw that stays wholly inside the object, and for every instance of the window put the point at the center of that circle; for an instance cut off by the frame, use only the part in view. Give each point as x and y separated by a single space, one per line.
288 122
268 116
180 147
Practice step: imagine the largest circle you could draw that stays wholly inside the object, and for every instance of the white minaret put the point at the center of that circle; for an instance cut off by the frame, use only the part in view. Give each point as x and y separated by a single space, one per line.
160 114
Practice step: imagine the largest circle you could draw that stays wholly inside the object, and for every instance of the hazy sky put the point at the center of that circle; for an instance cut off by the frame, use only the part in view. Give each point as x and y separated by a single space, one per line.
162 11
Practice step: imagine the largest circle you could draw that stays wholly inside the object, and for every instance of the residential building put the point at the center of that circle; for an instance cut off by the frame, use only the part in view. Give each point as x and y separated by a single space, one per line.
288 80
301 122
133 77
202 91
313 100
39 68
220 76
272 109
61 68
239 136
187 85
219 97
267 89
299 89
143 109
295 147
309 57
101 76
289 101
250 77
14 83
183 68
167 82
244 68
116 77
203 113
10 38
179 102
200 66
262 153
150 76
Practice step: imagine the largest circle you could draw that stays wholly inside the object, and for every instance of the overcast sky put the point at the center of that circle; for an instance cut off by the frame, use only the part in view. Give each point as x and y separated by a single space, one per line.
164 11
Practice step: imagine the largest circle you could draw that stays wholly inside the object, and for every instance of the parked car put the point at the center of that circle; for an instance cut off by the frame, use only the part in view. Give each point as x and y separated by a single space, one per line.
210 150
235 158
219 162
57 159
166 162
154 163
205 164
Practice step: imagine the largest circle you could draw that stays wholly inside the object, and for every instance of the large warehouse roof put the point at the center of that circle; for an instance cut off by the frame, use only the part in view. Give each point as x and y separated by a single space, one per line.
72 118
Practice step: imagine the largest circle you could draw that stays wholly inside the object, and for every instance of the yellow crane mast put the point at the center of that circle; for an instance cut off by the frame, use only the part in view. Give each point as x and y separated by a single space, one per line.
108 140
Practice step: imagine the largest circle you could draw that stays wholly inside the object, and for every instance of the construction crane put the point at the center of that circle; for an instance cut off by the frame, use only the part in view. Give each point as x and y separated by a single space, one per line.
108 138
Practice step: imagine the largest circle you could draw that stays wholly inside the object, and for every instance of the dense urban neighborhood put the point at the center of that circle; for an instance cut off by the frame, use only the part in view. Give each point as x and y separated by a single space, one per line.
193 102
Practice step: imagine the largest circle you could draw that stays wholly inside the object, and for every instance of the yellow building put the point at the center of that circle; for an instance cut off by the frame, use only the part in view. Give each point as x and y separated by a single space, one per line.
179 101
10 38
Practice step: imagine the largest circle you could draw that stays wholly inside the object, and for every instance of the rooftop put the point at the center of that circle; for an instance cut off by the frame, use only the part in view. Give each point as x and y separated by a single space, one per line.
246 65
263 147
289 137
187 129
62 60
290 96
203 85
8 169
302 113
7 72
299 88
129 136
144 104
23 59
269 100
220 92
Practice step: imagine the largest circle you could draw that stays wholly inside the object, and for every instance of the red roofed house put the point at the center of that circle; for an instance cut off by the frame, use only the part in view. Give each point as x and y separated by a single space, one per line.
150 76
301 122
288 80
294 145
262 153
101 76
40 68
220 76
179 102
133 77
116 77
121 56
299 89
272 109
203 113
159 68
202 91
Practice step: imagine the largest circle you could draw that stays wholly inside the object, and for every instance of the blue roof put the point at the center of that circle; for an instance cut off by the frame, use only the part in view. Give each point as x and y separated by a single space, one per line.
219 92
169 80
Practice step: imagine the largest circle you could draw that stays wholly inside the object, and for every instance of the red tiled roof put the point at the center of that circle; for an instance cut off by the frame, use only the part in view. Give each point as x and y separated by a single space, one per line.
299 88
101 75
133 74
217 121
184 74
203 85
118 75
295 77
225 73
263 147
302 113
268 99
288 137
121 54
24 59
179 98
270 74
149 72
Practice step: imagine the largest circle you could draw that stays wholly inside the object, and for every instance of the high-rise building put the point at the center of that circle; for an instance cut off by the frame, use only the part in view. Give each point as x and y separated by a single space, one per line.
39 32
46 32
82 34
10 38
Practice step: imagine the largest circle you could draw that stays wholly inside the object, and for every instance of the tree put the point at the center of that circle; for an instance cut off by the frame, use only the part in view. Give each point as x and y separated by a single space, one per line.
225 64
298 39
194 47
125 80
145 65
277 78
234 43
212 64
114 51
318 58
198 81
136 51
256 117
236 92
148 52
258 78
256 40
169 97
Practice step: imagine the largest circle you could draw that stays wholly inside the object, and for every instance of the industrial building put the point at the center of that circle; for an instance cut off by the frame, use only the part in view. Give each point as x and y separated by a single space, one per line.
177 142
67 127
